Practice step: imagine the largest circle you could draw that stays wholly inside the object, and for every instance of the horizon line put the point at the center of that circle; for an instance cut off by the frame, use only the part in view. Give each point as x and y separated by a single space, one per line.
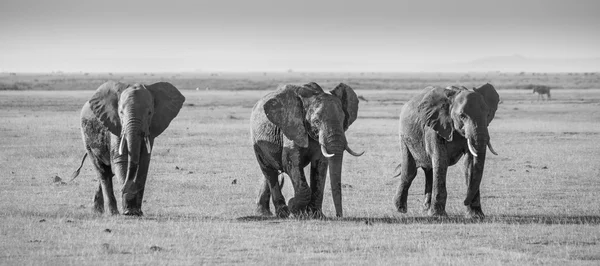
282 72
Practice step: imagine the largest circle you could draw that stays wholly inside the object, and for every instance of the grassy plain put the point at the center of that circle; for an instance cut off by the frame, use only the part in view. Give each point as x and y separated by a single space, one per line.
540 195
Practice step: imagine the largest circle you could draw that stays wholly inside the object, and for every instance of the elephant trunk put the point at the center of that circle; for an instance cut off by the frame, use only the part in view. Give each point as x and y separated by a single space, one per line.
132 135
332 144
335 176
479 142
133 138
333 147
475 179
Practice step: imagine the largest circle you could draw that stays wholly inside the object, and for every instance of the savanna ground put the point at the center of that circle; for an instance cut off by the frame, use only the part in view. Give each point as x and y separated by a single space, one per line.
540 194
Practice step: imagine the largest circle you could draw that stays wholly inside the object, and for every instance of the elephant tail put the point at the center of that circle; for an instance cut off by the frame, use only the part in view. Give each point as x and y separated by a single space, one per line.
76 173
398 170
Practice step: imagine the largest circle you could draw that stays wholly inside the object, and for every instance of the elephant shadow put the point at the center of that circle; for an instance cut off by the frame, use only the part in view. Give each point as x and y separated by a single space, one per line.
451 219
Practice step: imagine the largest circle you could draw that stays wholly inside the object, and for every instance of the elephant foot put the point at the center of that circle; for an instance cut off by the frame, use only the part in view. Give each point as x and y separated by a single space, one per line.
318 215
402 209
297 208
433 212
282 212
400 206
474 212
301 214
133 212
315 213
98 208
307 213
262 211
426 207
98 205
427 202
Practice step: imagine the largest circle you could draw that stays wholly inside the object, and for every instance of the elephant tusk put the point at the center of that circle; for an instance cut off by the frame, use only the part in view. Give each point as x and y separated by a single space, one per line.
148 147
471 148
491 148
122 144
325 153
353 153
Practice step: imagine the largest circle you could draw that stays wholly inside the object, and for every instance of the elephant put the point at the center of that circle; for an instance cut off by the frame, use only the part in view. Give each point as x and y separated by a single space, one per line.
119 124
292 127
541 90
437 127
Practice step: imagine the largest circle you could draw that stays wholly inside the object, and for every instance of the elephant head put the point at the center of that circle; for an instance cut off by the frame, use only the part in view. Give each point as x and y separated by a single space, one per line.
303 112
137 114
467 113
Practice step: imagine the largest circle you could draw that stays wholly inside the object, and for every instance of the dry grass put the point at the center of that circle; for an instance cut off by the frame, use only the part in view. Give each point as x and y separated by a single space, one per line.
540 194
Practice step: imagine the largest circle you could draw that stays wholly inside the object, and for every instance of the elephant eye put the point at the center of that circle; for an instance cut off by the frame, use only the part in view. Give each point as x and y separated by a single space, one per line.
463 116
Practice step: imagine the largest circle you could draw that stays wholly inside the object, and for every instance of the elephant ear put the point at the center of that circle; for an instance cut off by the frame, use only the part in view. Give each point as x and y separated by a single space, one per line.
349 103
315 87
285 110
105 105
434 109
167 103
491 98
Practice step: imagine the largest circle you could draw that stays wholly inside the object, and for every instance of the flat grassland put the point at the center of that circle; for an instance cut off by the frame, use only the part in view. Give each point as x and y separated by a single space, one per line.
540 195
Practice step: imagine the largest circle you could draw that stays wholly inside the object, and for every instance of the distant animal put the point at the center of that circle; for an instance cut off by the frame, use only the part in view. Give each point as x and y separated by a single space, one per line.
119 124
437 127
541 90
299 125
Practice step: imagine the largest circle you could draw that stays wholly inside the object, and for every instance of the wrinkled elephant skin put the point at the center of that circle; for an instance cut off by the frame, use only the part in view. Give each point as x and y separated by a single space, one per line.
438 127
299 125
119 124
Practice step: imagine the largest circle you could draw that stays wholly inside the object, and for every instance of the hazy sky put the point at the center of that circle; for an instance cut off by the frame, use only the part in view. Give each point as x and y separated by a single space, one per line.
258 35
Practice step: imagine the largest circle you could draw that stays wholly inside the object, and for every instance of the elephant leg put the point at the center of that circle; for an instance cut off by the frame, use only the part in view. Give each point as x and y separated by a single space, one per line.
428 188
140 182
119 166
264 196
318 176
107 188
271 175
302 192
439 193
99 199
408 173
474 210
105 191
